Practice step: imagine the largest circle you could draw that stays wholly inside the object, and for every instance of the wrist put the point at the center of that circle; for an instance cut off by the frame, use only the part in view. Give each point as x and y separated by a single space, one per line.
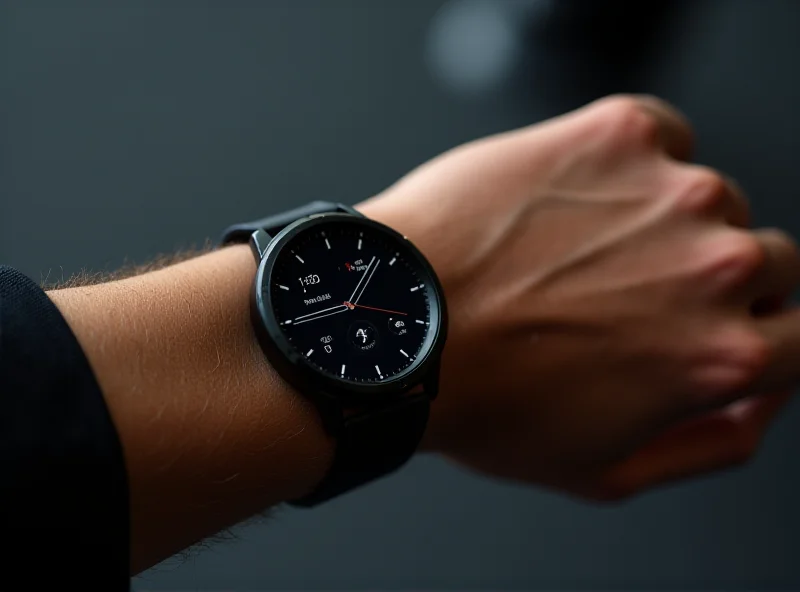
211 433
399 215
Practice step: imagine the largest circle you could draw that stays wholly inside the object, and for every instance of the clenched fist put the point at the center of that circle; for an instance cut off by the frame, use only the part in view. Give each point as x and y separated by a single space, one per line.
614 322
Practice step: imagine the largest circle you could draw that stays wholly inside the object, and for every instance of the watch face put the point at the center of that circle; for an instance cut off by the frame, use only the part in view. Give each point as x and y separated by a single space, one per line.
353 299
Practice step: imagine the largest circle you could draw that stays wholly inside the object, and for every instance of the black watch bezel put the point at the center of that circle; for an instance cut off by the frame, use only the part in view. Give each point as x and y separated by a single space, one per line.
321 387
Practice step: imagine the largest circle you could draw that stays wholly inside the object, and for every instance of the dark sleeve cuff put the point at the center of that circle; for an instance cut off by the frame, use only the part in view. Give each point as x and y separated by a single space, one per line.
63 486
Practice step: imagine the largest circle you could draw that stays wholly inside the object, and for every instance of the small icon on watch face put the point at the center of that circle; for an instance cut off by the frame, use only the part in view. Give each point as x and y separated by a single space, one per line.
363 335
397 326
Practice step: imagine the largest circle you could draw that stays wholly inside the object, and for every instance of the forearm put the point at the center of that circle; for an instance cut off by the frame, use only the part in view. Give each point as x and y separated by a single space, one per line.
582 266
211 434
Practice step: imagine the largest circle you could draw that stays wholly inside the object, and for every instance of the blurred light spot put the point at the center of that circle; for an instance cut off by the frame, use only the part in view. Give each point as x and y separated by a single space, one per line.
473 45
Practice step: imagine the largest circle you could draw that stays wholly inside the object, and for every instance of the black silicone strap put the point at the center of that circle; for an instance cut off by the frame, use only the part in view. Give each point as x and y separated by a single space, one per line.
372 445
240 233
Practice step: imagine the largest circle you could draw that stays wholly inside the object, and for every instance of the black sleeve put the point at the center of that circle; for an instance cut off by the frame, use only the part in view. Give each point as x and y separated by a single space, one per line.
63 486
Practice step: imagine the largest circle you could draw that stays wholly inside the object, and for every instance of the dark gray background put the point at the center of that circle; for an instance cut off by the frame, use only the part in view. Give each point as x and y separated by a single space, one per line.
132 128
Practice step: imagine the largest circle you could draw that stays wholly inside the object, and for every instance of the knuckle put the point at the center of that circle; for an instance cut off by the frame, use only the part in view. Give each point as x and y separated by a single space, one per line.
749 358
753 355
785 241
628 122
783 237
706 191
614 101
739 362
738 259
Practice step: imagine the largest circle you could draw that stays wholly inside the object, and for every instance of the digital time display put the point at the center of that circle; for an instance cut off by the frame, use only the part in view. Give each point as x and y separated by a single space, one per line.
309 280
352 301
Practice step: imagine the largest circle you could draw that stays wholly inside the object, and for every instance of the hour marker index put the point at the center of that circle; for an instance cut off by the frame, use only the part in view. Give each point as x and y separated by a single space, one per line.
343 369
415 288
420 322
327 244
282 287
299 258
311 351
359 244
378 370
393 260
404 353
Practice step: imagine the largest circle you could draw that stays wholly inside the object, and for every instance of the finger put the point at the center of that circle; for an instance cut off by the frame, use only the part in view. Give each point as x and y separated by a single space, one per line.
779 275
675 131
781 364
715 441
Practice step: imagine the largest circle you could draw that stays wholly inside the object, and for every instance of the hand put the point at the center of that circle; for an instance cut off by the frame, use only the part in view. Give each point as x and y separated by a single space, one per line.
613 321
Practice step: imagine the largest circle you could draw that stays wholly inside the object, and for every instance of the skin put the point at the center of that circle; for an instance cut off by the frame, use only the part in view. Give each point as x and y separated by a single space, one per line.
615 325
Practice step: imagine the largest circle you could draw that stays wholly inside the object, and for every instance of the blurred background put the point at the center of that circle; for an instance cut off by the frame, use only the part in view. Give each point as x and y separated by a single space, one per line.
132 128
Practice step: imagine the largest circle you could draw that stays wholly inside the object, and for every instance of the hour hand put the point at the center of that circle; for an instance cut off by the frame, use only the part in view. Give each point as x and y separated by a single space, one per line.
325 312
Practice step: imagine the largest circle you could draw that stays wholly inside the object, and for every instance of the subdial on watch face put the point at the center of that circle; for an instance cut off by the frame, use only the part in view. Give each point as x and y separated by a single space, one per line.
351 300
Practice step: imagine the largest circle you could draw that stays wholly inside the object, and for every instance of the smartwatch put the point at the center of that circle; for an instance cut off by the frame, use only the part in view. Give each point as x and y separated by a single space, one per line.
352 315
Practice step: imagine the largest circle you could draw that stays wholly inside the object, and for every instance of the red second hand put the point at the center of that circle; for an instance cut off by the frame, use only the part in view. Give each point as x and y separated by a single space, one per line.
351 306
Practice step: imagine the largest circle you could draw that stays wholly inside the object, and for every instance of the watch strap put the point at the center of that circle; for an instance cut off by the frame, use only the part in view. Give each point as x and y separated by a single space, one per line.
372 444
272 225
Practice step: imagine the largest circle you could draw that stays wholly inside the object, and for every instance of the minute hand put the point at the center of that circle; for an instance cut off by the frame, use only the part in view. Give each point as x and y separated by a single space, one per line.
361 279
364 286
